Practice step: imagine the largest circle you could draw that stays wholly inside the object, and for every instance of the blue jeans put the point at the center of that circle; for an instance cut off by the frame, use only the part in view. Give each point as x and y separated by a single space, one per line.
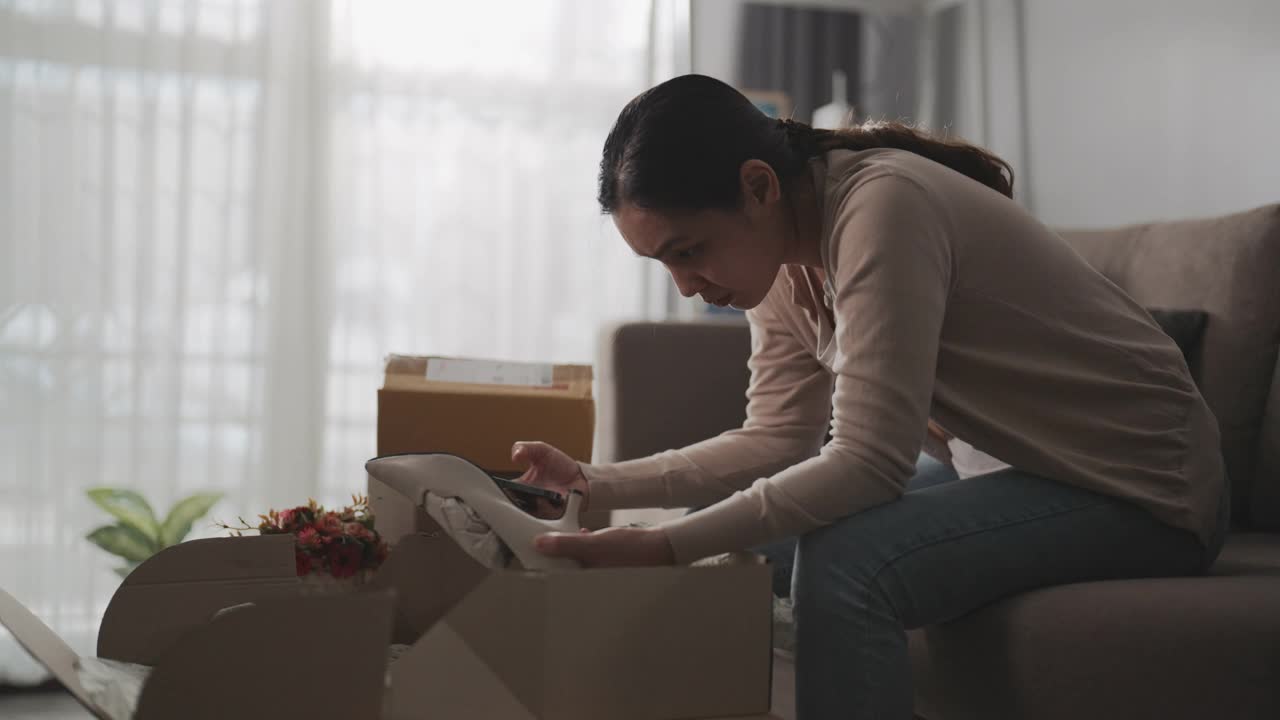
944 549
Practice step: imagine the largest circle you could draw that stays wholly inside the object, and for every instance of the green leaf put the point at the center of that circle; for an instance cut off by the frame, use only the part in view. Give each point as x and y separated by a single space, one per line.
183 515
130 508
123 540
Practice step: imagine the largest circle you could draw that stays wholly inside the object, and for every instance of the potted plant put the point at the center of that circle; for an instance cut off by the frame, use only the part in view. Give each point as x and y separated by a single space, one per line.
137 533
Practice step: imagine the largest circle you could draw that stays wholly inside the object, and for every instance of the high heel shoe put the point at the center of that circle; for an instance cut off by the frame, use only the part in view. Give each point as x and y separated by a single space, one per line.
416 474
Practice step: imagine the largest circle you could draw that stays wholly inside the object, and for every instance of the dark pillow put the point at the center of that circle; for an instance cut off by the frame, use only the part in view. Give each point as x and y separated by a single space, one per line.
1186 327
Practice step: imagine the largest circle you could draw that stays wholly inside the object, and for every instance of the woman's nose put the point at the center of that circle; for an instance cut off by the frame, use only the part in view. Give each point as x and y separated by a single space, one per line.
689 284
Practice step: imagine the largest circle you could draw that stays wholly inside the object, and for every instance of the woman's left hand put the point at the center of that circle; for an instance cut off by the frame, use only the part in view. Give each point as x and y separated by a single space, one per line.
611 547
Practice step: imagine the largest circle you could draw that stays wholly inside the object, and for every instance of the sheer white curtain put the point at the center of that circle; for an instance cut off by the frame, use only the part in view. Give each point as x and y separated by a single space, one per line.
218 216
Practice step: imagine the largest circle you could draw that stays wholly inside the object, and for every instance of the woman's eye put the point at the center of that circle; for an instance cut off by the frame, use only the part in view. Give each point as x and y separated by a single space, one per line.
689 252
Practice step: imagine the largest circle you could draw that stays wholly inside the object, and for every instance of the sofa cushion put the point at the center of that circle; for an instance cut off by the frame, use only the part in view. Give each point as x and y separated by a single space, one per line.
1249 554
1186 328
647 371
1175 649
1230 268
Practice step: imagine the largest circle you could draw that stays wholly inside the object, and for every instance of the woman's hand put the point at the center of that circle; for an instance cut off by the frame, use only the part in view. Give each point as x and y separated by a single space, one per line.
551 469
611 547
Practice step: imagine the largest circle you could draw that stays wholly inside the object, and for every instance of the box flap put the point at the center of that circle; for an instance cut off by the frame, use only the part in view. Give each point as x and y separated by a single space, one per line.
442 677
305 657
429 574
182 586
700 636
504 622
689 641
224 558
45 646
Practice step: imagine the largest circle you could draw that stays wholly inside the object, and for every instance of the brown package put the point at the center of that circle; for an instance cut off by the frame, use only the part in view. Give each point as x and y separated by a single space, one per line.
418 412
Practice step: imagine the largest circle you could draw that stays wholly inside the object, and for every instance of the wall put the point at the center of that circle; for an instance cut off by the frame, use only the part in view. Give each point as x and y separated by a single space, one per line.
1147 109
1134 110
715 37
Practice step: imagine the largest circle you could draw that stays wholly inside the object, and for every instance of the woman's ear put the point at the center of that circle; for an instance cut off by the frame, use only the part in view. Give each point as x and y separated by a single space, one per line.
760 184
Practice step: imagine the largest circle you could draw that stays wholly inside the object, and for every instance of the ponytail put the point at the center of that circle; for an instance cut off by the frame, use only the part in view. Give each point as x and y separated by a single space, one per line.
807 142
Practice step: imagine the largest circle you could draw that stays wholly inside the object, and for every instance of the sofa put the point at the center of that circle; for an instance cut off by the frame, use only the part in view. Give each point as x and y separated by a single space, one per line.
1174 649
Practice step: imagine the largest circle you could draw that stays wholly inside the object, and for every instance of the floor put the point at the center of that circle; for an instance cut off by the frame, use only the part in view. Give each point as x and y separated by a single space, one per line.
58 705
41 705
784 687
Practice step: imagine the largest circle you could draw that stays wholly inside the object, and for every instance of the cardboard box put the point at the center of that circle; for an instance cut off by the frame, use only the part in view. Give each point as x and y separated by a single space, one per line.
477 409
619 643
268 659
425 405
625 644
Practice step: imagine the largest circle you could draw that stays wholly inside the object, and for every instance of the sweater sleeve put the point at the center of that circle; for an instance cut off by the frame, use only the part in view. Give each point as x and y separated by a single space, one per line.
788 412
891 268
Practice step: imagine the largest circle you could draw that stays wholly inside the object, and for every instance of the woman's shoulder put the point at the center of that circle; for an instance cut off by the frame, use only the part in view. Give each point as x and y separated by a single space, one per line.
871 188
880 203
850 170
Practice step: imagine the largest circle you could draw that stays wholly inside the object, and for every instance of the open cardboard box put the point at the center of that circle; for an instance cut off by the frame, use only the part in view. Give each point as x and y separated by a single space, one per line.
634 643
624 643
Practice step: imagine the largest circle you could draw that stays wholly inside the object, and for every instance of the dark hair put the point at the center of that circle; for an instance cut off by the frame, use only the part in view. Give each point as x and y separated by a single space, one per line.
680 145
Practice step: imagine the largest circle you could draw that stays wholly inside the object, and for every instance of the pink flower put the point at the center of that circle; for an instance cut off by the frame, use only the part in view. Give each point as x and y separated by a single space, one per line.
308 538
328 524
344 559
303 562
357 531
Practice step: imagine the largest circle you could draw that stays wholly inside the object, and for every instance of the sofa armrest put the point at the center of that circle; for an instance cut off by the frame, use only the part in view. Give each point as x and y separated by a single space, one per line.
666 385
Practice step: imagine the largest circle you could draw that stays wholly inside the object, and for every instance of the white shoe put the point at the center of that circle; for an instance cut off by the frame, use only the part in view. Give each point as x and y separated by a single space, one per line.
444 475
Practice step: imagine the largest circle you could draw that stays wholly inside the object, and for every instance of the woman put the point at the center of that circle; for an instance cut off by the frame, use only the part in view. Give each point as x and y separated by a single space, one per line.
894 292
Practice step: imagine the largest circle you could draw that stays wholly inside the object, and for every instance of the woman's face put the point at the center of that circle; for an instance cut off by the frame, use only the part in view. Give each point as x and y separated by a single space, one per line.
729 257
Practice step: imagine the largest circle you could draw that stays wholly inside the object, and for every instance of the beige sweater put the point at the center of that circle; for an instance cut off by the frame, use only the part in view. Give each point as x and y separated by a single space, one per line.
950 302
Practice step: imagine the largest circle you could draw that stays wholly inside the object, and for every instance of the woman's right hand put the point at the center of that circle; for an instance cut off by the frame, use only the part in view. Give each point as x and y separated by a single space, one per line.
550 468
